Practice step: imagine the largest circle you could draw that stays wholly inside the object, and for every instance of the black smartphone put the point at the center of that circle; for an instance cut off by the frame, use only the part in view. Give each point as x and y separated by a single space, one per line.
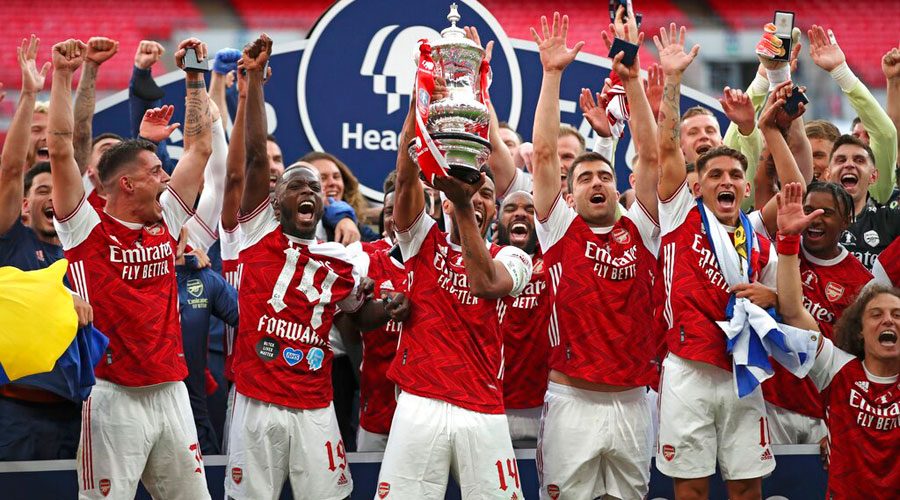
784 25
792 104
630 50
614 6
191 63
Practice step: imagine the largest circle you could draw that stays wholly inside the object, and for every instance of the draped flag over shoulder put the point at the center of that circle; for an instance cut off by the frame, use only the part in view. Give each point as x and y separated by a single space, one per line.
753 333
39 333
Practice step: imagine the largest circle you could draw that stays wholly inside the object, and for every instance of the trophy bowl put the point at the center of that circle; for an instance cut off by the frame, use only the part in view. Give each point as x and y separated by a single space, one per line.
453 122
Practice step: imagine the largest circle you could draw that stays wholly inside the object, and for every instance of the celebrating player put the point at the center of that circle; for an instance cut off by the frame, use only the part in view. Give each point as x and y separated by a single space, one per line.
122 261
596 433
449 363
856 374
284 423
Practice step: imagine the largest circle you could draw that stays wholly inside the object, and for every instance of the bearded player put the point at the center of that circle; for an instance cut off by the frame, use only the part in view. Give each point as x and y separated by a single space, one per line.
449 363
137 423
596 431
284 423
856 373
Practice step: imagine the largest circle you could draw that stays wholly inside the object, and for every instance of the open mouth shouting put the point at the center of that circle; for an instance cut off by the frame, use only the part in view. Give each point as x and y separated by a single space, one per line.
726 200
519 231
48 213
703 148
887 338
598 199
814 234
43 154
479 217
849 180
306 211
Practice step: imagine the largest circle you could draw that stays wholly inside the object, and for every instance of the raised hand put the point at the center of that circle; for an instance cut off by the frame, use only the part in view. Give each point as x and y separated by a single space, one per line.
240 79
773 115
190 43
670 45
595 112
32 79
256 53
653 87
626 30
472 34
100 49
890 64
457 191
626 73
69 55
226 61
555 56
792 219
155 124
148 53
824 50
739 109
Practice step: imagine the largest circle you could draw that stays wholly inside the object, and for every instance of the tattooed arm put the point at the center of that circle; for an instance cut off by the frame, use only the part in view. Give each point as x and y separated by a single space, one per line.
99 49
67 57
197 128
674 61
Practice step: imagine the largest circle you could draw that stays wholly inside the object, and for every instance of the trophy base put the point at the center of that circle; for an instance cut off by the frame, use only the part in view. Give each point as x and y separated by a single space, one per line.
465 153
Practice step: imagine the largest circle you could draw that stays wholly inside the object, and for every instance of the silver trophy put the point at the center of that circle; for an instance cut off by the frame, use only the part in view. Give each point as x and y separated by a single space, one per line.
452 120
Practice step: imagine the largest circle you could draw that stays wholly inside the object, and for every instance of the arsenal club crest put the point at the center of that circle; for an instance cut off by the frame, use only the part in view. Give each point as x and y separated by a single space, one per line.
105 486
383 489
237 475
621 236
834 291
553 491
155 229
669 452
537 266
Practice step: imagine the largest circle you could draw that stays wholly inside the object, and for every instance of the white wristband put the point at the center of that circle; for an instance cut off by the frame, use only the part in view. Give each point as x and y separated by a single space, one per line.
759 85
844 77
778 76
605 146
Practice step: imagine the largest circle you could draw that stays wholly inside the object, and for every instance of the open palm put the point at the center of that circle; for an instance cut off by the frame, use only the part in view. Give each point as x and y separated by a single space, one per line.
32 79
670 44
791 218
554 54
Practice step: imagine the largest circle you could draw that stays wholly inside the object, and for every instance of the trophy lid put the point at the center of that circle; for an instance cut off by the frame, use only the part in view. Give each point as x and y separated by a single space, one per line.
453 35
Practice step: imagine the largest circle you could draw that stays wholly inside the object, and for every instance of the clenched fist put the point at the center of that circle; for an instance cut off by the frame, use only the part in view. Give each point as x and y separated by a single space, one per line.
69 55
100 49
148 52
190 43
257 52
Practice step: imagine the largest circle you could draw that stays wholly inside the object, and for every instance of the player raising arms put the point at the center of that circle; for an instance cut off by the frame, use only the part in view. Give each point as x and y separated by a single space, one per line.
449 362
284 422
857 373
596 437
137 423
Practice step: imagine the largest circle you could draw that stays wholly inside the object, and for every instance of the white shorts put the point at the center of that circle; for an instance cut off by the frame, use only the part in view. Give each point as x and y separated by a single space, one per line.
594 444
139 433
370 441
653 402
524 423
270 443
790 427
430 438
229 412
702 419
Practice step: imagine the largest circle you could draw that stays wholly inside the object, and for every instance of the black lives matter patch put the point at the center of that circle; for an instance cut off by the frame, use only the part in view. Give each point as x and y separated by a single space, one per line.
267 349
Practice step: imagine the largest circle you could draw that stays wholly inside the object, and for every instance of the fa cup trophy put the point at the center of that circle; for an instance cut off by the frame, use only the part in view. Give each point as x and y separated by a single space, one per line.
452 132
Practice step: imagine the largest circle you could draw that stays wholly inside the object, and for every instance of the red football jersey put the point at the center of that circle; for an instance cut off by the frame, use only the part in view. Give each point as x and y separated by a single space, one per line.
232 268
696 291
382 244
451 348
829 287
862 412
601 323
289 292
377 398
127 273
887 265
526 347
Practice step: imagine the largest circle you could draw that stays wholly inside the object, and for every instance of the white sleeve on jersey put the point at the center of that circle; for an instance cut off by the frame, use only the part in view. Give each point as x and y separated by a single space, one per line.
554 227
522 181
648 227
674 211
768 273
202 226
73 229
258 223
829 361
879 275
230 242
175 211
87 184
756 221
519 266
411 239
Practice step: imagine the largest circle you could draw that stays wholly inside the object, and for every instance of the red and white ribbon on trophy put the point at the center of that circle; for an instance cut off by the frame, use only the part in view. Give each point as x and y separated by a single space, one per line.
430 158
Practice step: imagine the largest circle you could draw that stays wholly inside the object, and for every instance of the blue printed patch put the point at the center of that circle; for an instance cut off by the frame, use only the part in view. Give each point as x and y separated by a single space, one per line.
292 356
314 357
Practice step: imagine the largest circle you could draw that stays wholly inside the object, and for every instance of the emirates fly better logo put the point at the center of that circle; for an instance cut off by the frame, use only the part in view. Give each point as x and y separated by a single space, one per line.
357 75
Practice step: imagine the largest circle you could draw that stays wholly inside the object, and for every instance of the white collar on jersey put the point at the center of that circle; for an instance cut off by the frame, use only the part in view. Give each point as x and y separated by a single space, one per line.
299 241
876 379
458 248
601 230
823 262
129 225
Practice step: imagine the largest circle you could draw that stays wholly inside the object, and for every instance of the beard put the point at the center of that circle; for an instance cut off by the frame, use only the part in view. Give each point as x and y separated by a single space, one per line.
530 243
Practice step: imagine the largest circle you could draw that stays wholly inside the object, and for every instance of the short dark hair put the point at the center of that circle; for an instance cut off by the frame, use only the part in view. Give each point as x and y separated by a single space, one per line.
508 127
389 181
717 152
849 139
41 167
123 153
487 172
270 137
822 129
690 167
854 122
582 158
840 195
848 330
106 135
